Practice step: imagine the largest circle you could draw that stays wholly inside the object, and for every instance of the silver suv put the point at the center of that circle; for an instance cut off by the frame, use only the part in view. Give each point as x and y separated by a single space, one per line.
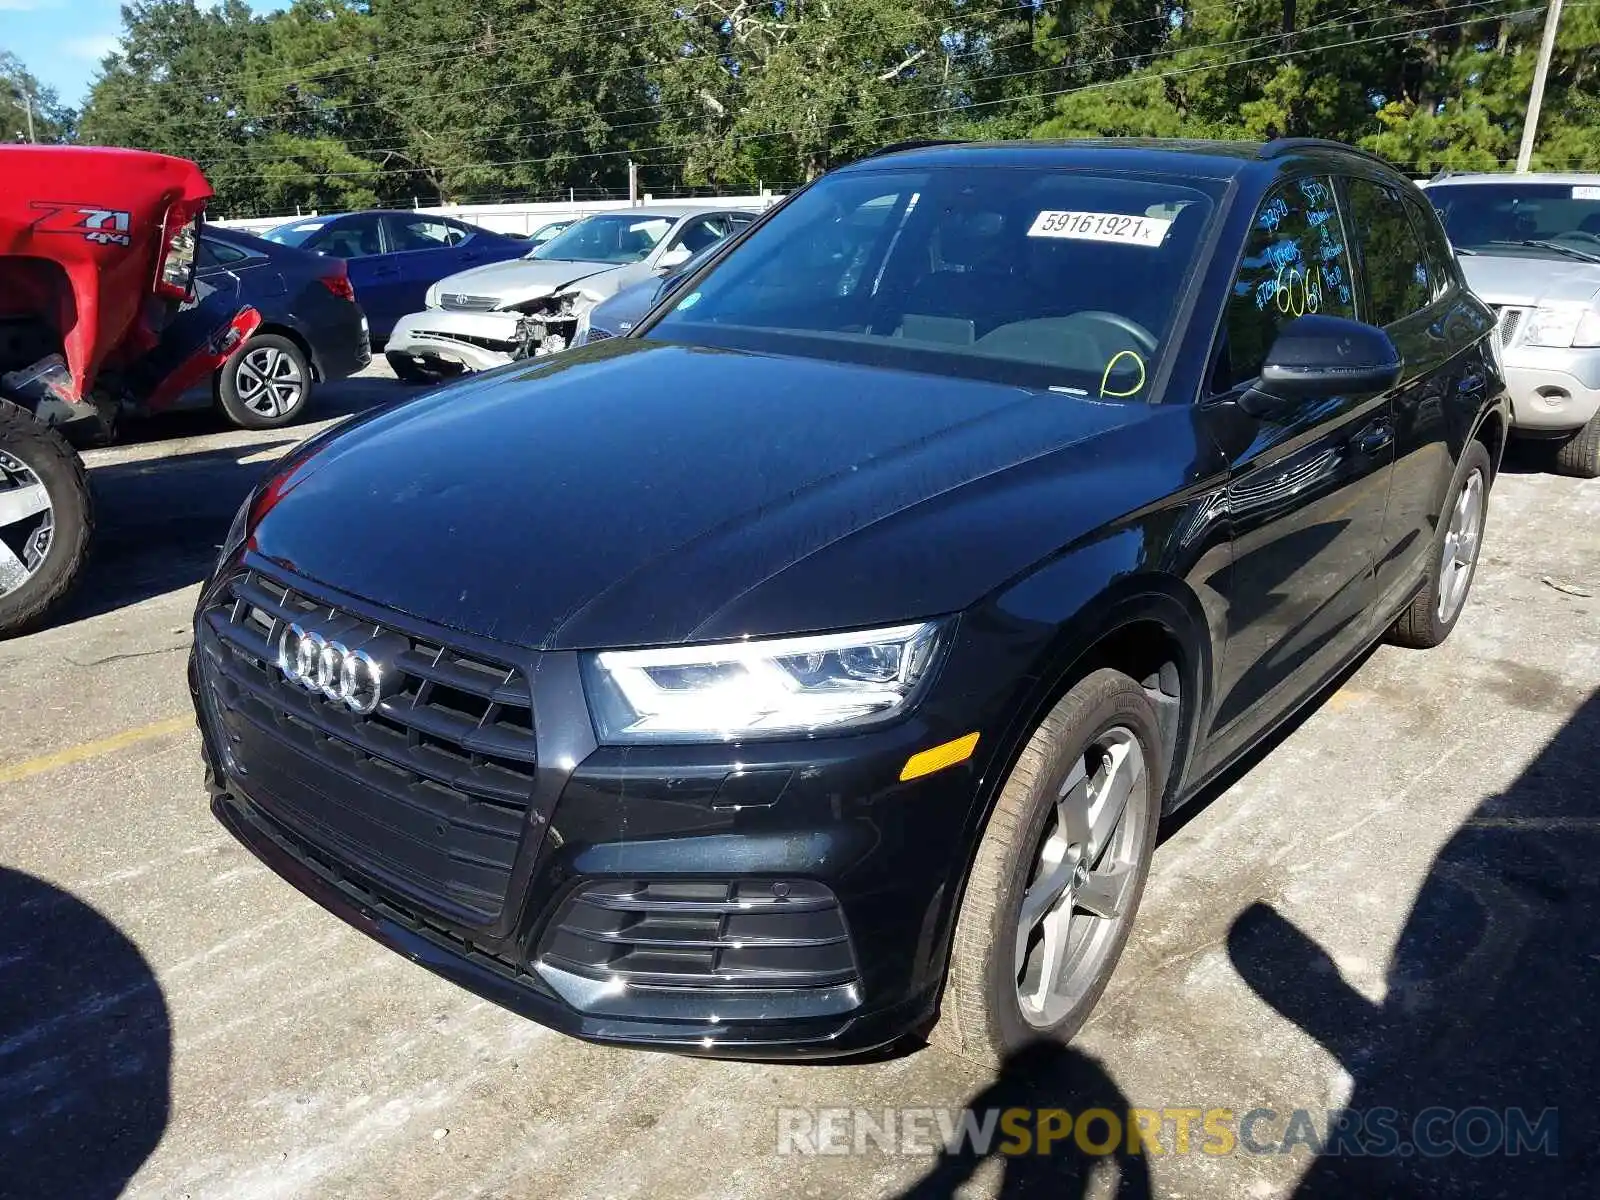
1530 247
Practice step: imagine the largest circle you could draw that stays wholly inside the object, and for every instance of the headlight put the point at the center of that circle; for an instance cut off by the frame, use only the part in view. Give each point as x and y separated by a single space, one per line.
431 298
832 683
1562 327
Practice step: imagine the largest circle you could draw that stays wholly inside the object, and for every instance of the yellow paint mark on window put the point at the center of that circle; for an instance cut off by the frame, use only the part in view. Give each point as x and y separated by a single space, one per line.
1111 366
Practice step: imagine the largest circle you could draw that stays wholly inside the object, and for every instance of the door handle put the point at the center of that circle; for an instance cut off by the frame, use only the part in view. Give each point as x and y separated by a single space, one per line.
1374 438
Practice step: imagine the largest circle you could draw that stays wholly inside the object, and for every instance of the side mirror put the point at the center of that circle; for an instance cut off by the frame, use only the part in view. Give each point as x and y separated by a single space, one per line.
673 258
1315 357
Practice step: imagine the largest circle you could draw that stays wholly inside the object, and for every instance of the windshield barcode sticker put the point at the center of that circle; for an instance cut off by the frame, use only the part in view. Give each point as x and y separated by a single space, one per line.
1100 227
1586 193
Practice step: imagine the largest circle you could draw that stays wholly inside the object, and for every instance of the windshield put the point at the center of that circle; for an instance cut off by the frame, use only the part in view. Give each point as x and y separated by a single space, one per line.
295 233
609 238
1042 278
1501 218
545 232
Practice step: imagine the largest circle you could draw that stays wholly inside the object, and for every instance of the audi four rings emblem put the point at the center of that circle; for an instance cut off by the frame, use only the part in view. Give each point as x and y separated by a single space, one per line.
349 677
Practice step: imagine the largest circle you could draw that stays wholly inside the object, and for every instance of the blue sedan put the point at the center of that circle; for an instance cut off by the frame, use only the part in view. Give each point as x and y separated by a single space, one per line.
393 257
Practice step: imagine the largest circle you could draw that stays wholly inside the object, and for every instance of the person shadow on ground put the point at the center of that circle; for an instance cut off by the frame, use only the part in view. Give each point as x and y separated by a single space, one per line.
85 1048
1488 1033
1046 1076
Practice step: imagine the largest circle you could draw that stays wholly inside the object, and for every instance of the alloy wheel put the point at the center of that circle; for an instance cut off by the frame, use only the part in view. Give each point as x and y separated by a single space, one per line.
1083 877
27 523
1461 541
269 382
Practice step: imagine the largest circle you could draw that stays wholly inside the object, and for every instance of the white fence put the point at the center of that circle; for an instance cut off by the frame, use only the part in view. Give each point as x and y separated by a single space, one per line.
525 218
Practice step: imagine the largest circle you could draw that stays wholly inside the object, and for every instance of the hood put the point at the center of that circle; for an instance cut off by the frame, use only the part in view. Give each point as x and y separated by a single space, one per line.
630 492
1526 280
621 311
520 279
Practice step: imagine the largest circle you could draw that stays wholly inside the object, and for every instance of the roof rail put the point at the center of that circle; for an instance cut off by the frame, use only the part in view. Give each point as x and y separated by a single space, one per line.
1278 147
914 144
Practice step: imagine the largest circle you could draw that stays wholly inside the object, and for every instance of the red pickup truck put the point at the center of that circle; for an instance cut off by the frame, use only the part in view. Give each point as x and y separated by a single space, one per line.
97 255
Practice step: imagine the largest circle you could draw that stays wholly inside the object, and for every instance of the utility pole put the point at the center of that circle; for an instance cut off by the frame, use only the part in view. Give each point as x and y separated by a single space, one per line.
633 182
1530 127
27 105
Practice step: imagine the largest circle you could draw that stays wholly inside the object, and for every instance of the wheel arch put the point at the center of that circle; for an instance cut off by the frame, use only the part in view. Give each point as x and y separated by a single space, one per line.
1492 430
300 340
1139 626
1144 626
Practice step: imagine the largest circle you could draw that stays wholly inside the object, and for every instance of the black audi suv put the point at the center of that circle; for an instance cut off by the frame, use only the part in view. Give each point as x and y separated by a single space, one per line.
813 666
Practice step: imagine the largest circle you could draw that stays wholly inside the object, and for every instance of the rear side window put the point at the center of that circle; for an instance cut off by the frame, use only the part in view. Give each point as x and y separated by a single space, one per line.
1392 259
213 253
1435 246
1295 262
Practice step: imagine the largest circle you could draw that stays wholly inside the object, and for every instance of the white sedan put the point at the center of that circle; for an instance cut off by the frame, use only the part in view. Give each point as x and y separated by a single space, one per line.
486 316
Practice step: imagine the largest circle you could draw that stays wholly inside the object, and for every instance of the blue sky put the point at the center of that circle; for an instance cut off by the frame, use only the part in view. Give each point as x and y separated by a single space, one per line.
62 41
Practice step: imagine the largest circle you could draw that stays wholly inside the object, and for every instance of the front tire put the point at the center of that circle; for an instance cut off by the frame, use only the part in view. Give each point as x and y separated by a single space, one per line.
265 384
1428 620
46 518
1580 454
1058 875
421 371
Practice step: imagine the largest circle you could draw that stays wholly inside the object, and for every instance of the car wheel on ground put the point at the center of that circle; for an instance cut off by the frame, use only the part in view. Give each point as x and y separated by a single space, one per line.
266 384
46 517
1433 614
1058 874
408 368
1579 454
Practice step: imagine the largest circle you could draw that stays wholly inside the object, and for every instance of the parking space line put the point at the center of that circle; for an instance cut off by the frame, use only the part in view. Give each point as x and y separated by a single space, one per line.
86 750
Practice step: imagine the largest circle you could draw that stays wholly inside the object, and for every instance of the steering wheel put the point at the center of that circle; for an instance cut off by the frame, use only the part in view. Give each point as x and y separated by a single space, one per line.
1575 234
1140 336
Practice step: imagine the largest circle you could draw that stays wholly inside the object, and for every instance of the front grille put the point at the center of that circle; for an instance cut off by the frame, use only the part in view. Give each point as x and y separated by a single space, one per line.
469 339
464 303
1510 319
740 933
430 791
599 335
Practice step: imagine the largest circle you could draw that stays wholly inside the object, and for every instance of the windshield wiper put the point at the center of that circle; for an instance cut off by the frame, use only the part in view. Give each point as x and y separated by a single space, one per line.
1580 255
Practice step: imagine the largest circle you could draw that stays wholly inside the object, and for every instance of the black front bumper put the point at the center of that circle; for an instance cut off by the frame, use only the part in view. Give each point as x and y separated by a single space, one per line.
821 835
691 1029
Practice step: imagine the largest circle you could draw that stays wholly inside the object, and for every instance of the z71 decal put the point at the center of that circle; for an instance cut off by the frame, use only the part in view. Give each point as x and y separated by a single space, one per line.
105 226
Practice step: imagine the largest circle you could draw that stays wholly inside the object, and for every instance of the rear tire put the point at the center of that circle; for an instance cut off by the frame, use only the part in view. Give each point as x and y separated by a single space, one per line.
44 549
998 997
1429 618
265 384
1580 454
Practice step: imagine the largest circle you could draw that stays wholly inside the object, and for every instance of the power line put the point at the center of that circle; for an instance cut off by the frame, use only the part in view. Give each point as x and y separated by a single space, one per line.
542 32
545 131
636 152
677 64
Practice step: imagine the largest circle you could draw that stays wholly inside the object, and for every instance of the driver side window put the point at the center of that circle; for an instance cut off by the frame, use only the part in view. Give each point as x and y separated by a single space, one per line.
1296 261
